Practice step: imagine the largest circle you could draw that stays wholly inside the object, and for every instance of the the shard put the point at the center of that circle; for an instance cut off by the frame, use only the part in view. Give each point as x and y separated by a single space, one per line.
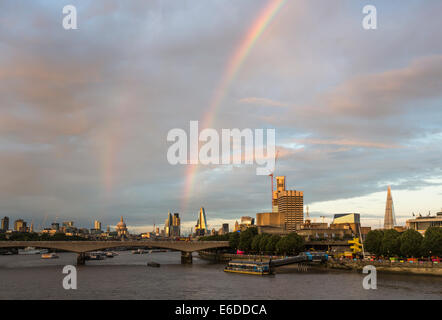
389 219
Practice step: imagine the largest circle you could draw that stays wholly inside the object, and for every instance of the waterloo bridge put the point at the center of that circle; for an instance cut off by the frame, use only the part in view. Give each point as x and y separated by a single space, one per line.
82 247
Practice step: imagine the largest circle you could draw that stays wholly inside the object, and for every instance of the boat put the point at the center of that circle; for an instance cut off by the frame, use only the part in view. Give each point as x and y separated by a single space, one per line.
111 254
95 256
29 250
153 264
248 267
139 251
49 256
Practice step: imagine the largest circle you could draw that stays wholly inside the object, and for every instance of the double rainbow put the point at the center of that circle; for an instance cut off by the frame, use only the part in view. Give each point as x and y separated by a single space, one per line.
252 35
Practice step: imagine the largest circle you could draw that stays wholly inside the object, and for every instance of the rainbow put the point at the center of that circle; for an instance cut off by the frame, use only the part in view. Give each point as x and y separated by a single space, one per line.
240 54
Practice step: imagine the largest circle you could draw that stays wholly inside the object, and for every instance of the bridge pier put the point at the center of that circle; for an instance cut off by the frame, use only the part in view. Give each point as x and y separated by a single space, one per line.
186 257
81 259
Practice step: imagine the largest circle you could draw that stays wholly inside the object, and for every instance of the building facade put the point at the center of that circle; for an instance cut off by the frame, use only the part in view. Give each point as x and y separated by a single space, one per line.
287 208
5 224
121 229
421 223
201 224
20 226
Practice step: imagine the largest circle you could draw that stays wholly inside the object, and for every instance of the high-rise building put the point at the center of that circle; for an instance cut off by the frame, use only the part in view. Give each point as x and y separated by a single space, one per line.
97 225
290 206
55 226
68 224
176 225
5 224
168 225
201 224
287 209
20 225
225 228
389 219
236 228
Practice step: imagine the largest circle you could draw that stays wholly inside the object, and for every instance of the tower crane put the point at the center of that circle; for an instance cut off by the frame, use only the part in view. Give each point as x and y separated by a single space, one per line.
271 178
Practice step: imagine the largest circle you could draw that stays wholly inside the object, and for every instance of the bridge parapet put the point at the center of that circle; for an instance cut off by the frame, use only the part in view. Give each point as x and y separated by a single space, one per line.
86 246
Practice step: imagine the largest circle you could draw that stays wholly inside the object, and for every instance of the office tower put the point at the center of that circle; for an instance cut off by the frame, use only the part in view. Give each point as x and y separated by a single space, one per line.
97 225
20 225
5 224
201 224
389 219
55 226
176 225
287 208
289 205
168 225
225 228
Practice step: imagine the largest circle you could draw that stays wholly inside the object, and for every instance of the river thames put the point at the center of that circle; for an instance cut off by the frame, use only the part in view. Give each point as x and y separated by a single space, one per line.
126 276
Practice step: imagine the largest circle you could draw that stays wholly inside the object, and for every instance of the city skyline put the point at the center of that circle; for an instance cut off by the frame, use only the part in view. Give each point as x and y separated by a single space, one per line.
85 113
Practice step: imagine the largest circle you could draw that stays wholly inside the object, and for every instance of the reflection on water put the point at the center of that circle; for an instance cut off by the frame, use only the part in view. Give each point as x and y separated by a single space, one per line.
126 276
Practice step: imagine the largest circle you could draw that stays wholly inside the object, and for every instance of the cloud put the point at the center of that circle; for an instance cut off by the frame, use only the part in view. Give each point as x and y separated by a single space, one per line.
388 93
346 142
262 102
85 114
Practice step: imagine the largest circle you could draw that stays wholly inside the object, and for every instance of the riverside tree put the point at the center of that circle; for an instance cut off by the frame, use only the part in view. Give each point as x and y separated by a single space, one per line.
373 242
271 243
411 243
246 238
432 242
234 240
391 244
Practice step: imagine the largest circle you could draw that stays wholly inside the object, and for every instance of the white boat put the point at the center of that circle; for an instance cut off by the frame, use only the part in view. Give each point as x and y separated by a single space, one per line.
49 256
139 251
31 250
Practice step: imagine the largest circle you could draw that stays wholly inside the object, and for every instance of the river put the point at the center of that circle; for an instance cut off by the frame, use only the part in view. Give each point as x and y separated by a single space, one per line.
126 276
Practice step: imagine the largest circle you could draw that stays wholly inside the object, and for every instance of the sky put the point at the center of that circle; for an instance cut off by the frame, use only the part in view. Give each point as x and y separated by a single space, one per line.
84 114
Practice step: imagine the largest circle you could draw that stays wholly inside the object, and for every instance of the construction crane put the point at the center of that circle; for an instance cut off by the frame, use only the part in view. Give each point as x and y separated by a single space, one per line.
271 179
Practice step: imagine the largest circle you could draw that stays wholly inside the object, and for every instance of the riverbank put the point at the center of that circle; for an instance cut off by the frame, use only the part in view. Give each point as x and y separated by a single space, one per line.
226 257
427 268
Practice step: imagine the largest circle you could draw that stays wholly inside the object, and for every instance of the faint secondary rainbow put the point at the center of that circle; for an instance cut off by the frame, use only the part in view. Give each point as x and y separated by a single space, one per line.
240 54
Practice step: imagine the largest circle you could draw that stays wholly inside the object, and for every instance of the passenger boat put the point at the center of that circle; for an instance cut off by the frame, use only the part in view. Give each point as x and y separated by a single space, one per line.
248 267
49 256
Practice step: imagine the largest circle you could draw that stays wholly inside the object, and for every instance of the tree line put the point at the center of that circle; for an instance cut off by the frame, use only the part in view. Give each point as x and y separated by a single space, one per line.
250 241
32 236
411 243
